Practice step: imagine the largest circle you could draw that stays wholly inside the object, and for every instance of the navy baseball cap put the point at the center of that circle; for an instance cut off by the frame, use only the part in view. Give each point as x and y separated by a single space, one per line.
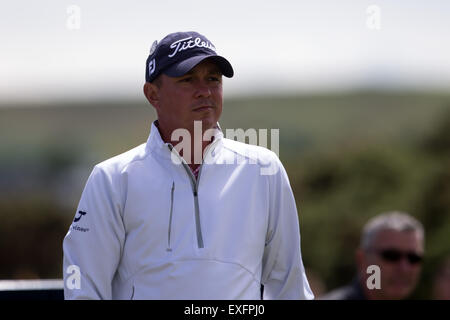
179 52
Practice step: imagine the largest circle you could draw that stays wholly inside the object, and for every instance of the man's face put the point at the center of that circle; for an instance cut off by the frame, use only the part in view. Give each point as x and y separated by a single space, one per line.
195 96
399 276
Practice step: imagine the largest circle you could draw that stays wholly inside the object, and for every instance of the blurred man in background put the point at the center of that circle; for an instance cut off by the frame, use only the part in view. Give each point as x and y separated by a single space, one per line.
394 242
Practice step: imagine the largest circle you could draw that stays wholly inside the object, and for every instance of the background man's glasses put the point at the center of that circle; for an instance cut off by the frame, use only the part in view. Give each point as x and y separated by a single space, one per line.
394 255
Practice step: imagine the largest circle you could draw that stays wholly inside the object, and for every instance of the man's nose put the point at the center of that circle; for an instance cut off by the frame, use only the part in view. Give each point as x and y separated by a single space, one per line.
202 90
404 265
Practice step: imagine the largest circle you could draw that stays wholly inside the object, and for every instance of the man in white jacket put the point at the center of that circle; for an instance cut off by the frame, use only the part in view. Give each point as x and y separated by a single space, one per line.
201 218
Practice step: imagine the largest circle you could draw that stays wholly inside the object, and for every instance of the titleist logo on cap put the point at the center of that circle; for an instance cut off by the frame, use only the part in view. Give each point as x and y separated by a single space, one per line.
188 43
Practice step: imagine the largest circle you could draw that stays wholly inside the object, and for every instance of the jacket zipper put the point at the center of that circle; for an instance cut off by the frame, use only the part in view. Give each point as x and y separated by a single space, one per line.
194 184
170 216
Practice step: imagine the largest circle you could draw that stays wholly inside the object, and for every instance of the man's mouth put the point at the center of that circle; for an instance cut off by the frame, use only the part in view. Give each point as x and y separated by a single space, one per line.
400 282
203 108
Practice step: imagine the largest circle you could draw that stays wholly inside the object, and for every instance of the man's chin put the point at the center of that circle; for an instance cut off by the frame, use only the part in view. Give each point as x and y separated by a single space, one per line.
206 122
398 292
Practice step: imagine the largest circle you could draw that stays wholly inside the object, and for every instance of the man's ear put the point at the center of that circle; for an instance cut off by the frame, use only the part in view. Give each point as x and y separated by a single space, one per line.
151 92
360 259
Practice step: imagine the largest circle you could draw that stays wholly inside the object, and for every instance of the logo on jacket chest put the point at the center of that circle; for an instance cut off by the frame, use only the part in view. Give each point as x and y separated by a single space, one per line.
82 213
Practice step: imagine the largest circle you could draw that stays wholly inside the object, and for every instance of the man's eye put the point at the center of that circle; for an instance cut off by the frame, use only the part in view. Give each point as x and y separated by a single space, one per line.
214 78
188 79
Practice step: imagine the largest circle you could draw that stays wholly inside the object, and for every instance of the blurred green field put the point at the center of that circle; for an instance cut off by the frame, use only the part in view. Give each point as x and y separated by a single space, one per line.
349 156
306 123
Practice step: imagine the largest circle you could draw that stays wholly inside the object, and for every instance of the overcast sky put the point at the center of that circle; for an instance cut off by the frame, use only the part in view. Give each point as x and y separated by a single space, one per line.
56 49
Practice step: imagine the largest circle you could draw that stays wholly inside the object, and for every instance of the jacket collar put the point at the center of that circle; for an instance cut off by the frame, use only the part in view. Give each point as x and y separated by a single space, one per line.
155 143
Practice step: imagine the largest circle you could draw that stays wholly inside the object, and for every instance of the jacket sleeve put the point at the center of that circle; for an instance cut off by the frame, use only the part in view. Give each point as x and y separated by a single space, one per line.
93 245
283 273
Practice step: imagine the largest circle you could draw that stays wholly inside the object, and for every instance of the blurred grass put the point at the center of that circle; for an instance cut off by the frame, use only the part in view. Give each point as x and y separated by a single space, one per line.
306 122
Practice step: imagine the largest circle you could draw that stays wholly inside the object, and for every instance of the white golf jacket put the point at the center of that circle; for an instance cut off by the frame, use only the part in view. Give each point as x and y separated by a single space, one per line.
145 228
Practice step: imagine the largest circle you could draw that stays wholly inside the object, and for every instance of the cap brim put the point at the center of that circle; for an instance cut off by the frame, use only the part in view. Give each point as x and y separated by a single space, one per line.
181 68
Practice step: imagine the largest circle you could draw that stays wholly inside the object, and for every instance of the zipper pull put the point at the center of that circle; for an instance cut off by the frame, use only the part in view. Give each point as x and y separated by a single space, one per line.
169 248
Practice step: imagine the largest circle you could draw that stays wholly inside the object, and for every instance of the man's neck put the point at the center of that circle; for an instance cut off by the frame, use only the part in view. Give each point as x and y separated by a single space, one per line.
370 294
194 161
